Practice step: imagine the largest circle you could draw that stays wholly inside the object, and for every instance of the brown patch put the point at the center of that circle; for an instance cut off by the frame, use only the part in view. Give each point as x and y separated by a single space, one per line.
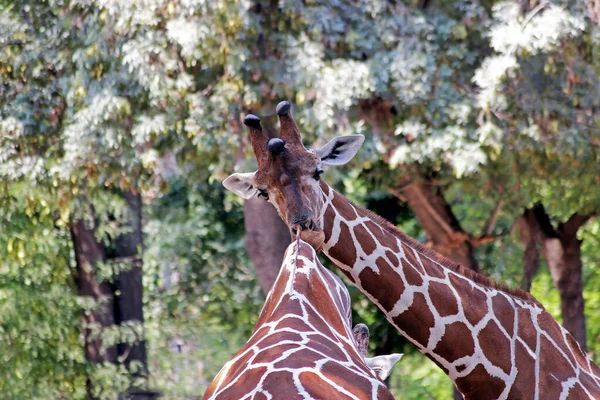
527 330
348 275
328 228
557 369
384 394
524 385
365 239
460 368
280 385
303 358
590 384
260 396
474 301
269 356
354 383
249 379
296 323
417 321
504 312
380 285
242 362
413 278
577 392
480 385
327 308
456 342
277 338
595 370
443 299
319 323
579 354
495 346
273 298
411 257
554 330
393 259
344 249
316 388
285 307
344 207
327 345
387 241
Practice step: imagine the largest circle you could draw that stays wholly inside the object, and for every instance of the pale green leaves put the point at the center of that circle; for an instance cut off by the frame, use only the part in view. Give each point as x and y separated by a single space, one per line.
489 78
539 30
411 70
452 146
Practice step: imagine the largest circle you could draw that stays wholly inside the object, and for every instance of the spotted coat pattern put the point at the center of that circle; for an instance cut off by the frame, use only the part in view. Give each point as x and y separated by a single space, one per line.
492 341
302 346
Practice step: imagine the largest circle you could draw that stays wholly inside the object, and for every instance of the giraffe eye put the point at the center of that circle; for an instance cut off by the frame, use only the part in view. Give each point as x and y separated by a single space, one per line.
263 194
317 174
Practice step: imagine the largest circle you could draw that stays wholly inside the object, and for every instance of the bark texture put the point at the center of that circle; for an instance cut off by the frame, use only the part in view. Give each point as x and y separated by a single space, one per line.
267 237
128 254
562 251
112 309
89 252
441 227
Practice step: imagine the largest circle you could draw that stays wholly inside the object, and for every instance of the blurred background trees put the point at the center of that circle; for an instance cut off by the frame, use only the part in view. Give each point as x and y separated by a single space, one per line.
123 262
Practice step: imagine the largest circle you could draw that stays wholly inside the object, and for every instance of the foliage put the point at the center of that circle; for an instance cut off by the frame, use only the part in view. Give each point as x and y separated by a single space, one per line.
102 96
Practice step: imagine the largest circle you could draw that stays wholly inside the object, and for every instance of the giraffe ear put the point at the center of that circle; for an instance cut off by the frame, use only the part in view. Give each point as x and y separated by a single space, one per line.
382 365
340 150
241 184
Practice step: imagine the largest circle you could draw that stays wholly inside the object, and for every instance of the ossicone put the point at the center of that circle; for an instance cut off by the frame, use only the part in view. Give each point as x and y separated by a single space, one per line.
252 121
275 146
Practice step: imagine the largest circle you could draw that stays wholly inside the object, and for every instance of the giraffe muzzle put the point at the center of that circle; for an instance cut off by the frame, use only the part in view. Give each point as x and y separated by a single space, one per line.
304 224
309 232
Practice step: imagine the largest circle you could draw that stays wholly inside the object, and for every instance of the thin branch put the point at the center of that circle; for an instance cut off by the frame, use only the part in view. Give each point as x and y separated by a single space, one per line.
481 240
491 223
434 214
397 194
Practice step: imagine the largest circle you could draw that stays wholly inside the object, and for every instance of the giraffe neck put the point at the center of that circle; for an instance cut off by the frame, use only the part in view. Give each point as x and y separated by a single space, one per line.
302 345
303 278
479 332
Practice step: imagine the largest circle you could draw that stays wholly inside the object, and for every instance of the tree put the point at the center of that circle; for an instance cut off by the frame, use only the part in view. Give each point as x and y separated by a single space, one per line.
267 238
108 103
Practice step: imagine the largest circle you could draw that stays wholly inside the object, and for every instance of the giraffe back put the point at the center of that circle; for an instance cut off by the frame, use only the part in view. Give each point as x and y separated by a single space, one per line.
302 346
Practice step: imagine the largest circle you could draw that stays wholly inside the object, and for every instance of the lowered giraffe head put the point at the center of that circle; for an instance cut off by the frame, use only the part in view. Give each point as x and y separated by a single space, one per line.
288 174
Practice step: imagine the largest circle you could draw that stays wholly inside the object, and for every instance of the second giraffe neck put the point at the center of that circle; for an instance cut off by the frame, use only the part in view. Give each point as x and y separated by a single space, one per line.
448 312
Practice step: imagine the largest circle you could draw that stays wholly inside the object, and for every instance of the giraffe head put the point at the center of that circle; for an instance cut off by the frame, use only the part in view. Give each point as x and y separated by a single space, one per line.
288 174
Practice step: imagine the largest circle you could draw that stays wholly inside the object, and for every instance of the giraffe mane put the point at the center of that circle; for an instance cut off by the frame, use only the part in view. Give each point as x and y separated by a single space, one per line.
445 261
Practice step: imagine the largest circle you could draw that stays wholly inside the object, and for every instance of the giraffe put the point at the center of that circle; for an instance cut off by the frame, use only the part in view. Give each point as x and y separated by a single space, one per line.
303 345
493 342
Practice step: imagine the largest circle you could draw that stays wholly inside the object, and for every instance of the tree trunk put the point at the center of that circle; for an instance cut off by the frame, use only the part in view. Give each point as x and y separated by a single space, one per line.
89 252
441 227
563 255
128 253
562 251
267 238
530 235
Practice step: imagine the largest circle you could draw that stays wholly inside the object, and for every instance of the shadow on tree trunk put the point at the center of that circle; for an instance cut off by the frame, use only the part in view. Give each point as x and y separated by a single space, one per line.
267 238
562 251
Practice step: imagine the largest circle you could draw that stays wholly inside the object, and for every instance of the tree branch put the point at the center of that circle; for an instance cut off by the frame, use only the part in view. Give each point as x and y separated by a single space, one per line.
568 230
434 214
491 223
